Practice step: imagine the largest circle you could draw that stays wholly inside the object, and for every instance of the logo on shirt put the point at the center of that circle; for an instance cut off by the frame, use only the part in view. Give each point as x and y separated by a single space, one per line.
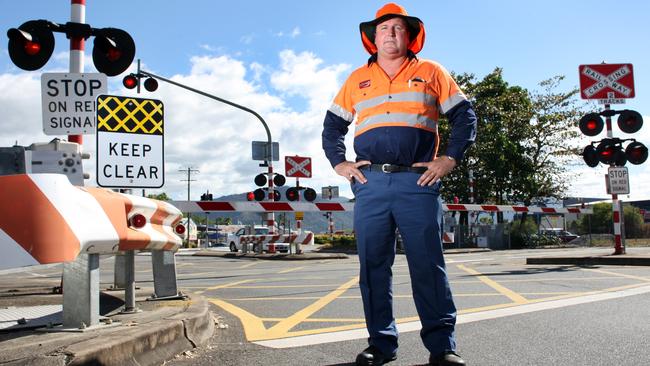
364 84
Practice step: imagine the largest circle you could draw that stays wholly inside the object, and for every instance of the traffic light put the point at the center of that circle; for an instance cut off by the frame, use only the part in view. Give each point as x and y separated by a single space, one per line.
310 194
636 153
610 150
591 124
31 44
630 121
113 51
260 194
131 81
293 194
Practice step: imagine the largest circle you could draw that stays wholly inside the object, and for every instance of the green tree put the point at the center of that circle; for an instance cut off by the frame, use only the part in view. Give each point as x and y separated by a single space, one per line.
602 221
523 145
160 196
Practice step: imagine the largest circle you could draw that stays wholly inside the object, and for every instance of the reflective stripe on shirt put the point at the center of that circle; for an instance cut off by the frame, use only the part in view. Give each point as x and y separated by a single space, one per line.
397 119
419 97
341 112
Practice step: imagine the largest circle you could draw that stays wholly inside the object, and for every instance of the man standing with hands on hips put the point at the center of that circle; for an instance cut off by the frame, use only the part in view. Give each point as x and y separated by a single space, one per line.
395 101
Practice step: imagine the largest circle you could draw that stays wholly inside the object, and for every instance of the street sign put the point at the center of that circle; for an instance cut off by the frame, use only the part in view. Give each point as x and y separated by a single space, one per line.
261 151
130 143
297 166
612 82
330 192
68 102
300 215
618 180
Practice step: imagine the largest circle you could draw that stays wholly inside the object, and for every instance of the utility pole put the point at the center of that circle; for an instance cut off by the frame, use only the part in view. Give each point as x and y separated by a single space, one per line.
189 179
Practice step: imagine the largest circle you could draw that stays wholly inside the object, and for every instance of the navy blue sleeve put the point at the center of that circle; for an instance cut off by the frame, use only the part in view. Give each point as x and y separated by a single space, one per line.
462 120
334 130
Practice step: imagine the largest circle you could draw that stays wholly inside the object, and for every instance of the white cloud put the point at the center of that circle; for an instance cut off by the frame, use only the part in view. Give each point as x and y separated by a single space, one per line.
247 39
295 32
207 47
203 133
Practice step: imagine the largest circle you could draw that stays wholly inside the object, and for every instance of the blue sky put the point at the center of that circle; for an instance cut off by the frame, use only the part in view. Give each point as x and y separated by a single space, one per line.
286 59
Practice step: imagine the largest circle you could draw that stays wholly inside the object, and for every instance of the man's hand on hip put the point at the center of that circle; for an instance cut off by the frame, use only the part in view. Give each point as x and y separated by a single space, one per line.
436 169
350 170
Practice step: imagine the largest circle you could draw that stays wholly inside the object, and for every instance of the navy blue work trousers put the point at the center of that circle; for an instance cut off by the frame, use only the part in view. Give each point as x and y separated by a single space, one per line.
386 202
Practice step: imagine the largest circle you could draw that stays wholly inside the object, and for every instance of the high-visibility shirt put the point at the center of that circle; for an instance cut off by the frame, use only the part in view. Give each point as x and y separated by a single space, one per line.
396 120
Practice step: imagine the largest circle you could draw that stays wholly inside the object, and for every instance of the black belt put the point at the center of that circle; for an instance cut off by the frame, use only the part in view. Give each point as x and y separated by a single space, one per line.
392 168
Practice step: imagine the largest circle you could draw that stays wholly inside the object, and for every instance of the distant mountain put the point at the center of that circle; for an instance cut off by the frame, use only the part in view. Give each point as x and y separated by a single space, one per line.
313 221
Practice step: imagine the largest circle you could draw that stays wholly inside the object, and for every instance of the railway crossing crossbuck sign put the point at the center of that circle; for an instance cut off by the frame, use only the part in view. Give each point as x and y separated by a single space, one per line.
612 82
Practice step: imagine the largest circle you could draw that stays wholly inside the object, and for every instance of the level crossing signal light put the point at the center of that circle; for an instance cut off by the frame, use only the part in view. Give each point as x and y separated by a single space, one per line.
610 150
260 194
31 45
131 81
293 193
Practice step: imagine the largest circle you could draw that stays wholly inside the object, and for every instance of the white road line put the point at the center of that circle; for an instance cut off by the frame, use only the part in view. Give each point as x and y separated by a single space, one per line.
314 339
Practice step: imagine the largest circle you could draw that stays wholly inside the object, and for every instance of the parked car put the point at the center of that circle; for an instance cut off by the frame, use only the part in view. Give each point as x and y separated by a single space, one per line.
563 235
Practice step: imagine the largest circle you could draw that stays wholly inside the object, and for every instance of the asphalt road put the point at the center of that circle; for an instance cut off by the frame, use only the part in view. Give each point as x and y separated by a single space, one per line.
309 312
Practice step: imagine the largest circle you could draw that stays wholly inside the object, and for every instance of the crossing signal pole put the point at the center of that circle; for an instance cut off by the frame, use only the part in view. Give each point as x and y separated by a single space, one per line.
612 84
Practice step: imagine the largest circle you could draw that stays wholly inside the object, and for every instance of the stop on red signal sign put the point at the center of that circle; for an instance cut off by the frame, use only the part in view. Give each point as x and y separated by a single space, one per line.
606 81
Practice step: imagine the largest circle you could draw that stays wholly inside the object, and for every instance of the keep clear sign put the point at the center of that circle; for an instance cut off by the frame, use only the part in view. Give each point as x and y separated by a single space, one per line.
68 102
130 144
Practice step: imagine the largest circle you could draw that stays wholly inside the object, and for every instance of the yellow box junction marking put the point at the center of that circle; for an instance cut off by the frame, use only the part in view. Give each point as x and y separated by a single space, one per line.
130 115
515 297
254 326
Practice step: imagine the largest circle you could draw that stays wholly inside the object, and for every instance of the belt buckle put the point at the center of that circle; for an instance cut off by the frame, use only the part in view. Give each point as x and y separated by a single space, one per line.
385 167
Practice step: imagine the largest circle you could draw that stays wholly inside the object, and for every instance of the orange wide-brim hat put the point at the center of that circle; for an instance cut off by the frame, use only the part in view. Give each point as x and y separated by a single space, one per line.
392 10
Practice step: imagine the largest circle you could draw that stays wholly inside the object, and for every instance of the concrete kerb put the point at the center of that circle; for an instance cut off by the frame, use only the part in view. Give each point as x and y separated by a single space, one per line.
163 330
152 344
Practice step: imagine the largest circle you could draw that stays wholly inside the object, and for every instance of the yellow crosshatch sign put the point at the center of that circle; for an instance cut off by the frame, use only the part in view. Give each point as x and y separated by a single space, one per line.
129 115
130 142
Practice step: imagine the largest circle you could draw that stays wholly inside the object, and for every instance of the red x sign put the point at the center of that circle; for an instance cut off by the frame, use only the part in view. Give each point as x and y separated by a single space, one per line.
297 166
606 81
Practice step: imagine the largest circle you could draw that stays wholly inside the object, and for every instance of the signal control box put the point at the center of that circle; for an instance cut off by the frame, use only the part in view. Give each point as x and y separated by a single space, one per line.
56 156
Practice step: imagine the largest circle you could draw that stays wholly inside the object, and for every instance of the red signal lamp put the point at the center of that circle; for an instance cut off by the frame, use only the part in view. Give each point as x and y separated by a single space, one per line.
293 194
591 124
310 194
636 153
151 84
130 81
590 156
279 180
113 51
629 121
32 48
259 194
260 180
31 44
609 151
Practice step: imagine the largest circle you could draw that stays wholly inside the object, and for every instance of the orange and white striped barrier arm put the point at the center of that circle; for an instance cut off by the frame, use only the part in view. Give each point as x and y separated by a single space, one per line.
45 219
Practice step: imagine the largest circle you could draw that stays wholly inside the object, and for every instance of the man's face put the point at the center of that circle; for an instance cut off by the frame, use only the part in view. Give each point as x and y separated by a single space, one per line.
392 37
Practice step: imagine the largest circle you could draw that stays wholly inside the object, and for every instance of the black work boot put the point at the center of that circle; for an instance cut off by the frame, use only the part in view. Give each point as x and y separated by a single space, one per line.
448 358
372 356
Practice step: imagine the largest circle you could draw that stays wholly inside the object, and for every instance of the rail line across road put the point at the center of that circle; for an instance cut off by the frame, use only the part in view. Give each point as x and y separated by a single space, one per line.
289 305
